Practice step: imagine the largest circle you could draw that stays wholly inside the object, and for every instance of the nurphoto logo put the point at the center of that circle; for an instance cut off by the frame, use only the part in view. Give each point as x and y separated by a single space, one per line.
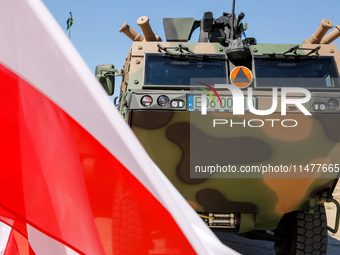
241 77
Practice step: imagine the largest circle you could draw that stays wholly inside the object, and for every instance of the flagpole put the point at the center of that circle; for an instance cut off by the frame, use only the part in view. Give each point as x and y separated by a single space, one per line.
69 29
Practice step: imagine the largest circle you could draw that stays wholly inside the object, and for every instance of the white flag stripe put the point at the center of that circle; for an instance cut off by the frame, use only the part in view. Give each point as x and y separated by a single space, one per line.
34 34
43 244
5 231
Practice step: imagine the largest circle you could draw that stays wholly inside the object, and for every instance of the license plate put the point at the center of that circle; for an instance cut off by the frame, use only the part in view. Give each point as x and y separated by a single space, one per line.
195 103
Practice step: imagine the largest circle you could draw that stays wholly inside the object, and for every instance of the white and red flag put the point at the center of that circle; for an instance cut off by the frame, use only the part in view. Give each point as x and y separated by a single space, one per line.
74 179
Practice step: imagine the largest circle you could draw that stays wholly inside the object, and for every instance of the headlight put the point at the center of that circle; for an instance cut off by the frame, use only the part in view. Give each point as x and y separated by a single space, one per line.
333 104
322 107
146 100
177 103
163 101
319 107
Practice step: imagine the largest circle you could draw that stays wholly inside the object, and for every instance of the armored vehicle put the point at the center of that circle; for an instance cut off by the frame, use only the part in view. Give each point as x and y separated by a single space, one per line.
247 132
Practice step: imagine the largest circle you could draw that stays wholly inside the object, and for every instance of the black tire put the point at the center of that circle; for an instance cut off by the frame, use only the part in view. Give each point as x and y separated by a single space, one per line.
302 234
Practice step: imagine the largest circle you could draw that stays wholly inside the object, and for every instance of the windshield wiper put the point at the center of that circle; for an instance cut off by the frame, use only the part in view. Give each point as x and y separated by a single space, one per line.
293 56
199 57
291 50
313 50
161 47
190 56
183 47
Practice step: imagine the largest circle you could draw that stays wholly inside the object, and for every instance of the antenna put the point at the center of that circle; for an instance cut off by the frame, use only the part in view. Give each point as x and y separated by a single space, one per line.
232 21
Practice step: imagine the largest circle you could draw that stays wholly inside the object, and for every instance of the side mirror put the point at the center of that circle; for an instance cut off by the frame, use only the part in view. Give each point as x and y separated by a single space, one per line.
106 76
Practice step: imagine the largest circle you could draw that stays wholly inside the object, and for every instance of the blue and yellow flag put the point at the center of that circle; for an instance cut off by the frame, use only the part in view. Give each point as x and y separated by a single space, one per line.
69 22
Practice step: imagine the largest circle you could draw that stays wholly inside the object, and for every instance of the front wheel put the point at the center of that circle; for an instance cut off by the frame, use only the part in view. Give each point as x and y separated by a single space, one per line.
301 233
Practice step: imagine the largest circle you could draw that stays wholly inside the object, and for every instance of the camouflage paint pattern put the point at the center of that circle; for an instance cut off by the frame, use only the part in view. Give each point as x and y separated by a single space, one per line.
165 134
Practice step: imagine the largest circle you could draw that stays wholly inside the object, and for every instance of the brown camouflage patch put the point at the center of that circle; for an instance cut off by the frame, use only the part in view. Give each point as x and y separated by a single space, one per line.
291 191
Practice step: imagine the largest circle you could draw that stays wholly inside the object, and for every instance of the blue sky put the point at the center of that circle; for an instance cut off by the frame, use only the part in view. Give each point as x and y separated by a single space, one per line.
96 22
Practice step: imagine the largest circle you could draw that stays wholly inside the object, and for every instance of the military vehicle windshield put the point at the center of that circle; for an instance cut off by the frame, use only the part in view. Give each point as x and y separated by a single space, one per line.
319 72
161 70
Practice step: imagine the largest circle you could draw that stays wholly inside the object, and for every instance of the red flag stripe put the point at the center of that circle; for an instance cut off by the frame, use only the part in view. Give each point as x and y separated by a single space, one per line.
51 154
43 168
38 50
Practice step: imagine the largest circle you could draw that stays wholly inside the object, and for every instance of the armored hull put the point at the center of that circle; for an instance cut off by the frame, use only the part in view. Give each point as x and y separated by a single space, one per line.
242 166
